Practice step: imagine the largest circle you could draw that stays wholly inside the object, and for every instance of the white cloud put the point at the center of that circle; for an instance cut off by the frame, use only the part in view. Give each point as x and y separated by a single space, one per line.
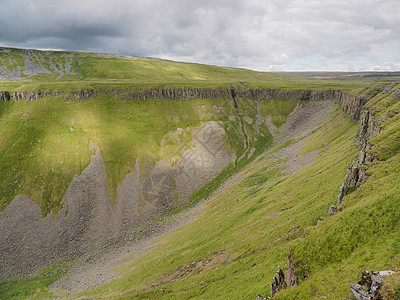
263 35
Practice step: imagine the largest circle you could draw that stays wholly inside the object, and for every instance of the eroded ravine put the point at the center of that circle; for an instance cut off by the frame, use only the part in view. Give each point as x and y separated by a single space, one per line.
98 269
88 221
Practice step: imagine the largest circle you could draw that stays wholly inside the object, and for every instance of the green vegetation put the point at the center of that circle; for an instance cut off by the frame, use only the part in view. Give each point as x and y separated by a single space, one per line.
44 143
91 70
36 287
249 227
252 228
245 232
278 109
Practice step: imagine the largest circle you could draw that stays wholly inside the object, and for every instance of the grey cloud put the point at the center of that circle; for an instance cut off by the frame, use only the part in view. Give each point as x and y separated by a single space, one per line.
257 34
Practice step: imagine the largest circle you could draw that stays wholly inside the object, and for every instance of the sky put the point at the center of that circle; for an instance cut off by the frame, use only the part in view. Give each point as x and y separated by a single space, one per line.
265 35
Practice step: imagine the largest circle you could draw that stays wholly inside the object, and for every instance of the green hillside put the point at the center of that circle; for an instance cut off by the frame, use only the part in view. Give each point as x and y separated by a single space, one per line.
44 143
235 246
61 70
266 209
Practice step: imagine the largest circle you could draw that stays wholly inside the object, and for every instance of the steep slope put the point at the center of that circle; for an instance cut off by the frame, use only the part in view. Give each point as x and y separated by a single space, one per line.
269 217
107 178
114 167
96 161
233 249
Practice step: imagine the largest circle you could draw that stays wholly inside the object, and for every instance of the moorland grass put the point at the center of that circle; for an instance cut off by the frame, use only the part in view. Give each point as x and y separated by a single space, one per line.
254 229
92 70
235 246
44 143
34 287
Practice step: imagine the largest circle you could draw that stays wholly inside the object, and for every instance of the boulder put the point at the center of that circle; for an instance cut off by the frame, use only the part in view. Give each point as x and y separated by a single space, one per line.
369 286
278 282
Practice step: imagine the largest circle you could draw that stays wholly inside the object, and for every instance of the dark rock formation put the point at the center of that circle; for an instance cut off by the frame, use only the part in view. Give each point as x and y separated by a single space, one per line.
357 172
284 280
278 282
349 103
5 96
291 279
36 95
368 129
370 284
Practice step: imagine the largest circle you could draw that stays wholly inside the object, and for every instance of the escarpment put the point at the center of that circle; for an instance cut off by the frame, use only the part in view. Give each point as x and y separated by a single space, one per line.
351 104
368 128
83 94
88 219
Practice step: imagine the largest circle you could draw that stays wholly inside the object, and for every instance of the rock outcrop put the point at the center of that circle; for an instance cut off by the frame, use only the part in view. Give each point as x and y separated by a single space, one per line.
88 220
5 96
368 129
349 103
284 280
278 282
357 171
35 63
368 288
36 95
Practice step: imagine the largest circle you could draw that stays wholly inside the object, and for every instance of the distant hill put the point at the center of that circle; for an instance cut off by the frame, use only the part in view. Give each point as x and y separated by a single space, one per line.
24 64
36 69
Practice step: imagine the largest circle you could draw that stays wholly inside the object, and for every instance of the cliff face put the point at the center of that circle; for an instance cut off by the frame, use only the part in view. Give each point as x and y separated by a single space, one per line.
88 220
350 104
369 127
35 95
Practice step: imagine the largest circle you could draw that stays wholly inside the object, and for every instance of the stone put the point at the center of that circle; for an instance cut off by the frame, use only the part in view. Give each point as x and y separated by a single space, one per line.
341 194
396 94
358 292
357 171
278 282
291 278
370 284
332 210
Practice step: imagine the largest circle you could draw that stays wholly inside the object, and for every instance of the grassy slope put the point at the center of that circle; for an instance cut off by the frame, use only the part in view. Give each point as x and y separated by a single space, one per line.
245 232
233 249
43 144
94 71
31 132
36 287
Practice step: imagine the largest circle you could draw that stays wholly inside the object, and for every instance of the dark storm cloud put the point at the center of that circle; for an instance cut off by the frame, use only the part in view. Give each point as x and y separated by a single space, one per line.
258 34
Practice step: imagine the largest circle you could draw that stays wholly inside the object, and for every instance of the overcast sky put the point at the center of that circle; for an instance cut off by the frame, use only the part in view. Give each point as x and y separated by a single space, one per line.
342 35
